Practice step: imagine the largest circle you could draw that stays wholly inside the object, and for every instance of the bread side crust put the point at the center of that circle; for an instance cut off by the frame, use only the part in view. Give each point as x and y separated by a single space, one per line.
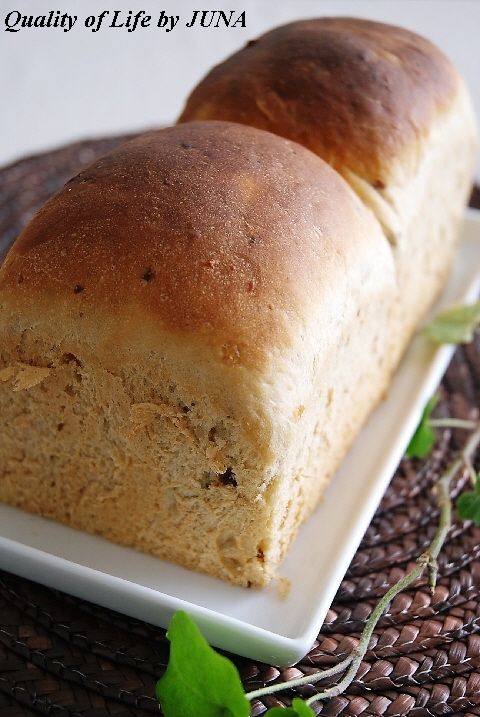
422 213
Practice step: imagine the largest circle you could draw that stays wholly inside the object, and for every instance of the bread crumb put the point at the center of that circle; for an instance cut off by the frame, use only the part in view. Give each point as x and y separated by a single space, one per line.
298 412
7 373
143 414
283 587
29 376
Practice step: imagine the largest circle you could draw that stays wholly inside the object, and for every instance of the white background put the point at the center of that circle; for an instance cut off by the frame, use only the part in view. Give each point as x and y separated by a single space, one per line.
56 87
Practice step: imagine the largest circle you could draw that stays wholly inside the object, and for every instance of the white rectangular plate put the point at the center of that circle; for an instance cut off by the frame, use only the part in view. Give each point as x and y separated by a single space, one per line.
257 624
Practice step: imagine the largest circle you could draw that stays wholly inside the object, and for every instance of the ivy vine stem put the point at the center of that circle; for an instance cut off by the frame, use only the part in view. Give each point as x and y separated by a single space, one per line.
426 561
299 681
452 423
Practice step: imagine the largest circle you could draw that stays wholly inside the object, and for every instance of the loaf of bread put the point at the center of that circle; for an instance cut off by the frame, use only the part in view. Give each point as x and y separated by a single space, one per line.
194 328
192 332
381 105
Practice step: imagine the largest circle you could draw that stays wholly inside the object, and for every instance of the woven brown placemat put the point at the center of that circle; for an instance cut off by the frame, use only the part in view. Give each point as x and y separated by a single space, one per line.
64 657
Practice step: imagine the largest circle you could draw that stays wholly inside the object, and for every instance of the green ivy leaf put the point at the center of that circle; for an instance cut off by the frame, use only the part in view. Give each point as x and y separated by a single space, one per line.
468 504
424 437
455 325
198 682
299 708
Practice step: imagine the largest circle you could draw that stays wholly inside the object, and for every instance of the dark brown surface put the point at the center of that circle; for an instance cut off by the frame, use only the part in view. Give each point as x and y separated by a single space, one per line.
360 94
63 657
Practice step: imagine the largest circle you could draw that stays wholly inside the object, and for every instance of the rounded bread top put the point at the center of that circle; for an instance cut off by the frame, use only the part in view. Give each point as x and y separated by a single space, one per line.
360 94
216 230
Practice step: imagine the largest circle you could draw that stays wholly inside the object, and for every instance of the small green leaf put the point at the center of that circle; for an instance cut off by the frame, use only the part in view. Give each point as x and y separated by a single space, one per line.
468 504
198 682
299 708
424 437
302 709
455 325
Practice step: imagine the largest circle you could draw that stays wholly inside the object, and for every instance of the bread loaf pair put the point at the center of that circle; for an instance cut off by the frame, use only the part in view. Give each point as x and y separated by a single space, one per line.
195 327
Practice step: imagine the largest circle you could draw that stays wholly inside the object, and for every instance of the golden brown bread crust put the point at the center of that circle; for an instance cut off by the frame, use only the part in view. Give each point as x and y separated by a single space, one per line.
358 93
211 229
